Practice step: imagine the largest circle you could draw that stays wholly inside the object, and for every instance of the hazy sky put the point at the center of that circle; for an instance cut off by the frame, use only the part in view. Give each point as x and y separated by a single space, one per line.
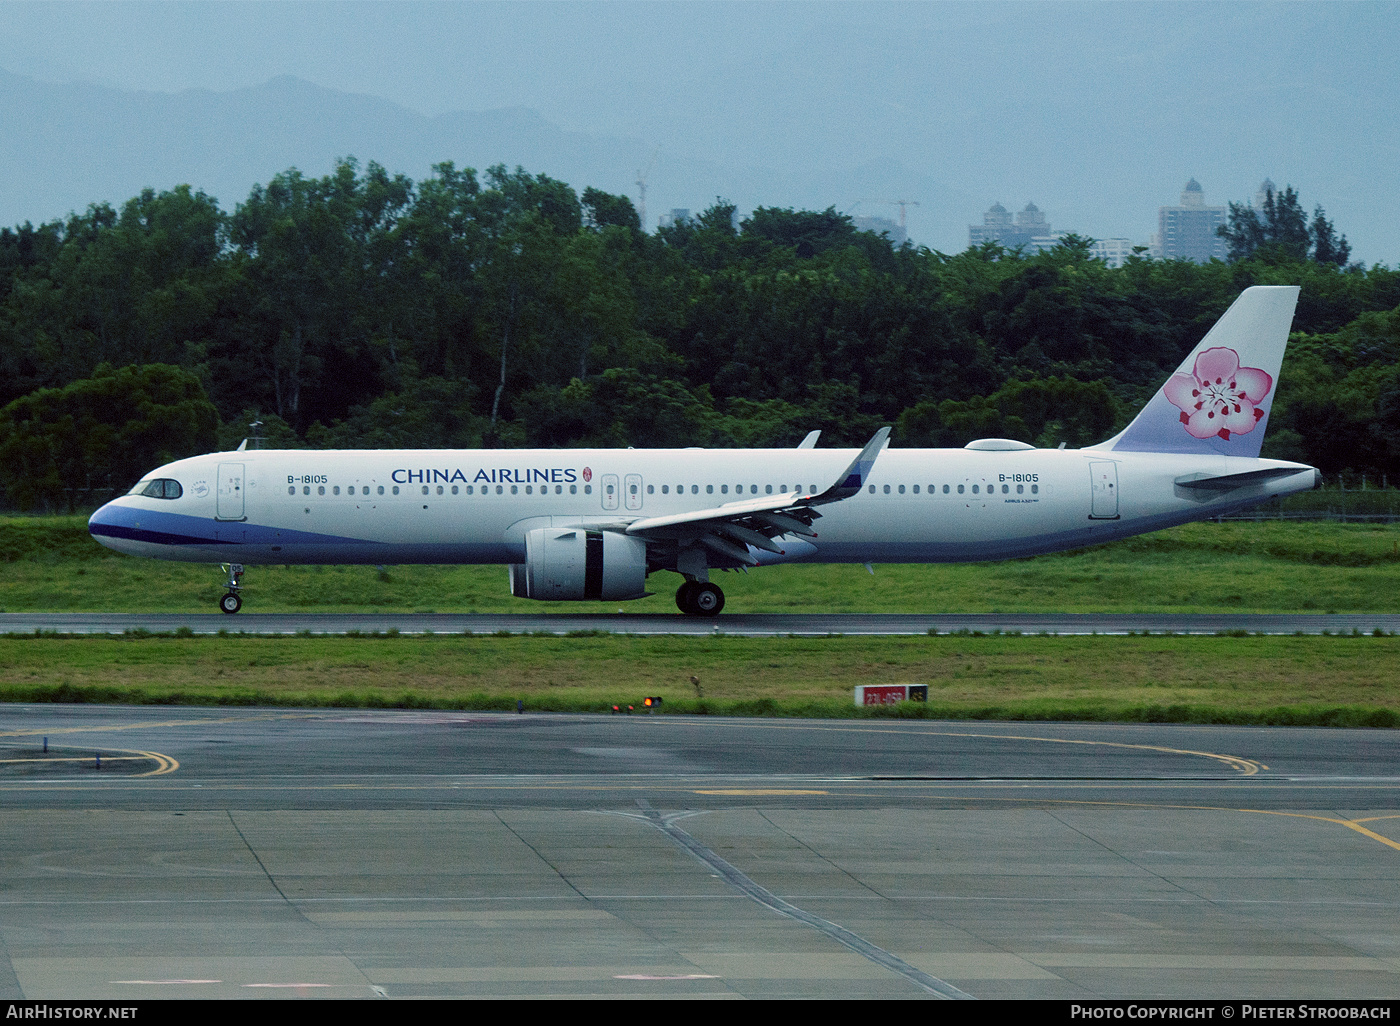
1098 112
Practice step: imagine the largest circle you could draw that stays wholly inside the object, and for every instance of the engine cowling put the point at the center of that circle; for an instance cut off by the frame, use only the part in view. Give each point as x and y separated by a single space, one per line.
564 563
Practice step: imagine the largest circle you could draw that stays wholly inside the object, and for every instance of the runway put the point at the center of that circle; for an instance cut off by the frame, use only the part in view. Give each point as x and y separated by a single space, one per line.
280 853
739 624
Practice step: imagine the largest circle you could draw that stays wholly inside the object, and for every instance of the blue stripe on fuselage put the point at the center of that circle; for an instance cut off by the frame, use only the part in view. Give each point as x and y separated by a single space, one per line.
160 528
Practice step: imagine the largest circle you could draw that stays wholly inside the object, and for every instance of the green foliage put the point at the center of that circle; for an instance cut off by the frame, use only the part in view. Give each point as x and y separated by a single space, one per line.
602 209
106 430
1280 233
50 563
1046 412
1318 681
363 309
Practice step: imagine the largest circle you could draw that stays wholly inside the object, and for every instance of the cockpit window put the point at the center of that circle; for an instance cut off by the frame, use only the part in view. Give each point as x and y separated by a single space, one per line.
160 488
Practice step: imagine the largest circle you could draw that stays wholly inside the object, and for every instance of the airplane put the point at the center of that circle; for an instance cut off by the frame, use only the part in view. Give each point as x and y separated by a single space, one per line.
592 524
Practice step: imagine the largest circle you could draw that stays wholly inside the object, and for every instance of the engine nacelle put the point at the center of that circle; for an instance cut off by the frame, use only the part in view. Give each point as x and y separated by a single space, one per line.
564 563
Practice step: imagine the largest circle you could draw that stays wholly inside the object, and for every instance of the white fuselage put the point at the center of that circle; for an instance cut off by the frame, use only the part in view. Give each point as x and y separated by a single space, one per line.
475 506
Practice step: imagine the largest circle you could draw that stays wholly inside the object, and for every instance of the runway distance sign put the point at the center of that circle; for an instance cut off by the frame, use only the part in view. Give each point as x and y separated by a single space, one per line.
889 694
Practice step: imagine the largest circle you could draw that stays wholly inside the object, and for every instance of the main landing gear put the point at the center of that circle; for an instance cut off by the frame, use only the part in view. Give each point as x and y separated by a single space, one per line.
694 598
232 602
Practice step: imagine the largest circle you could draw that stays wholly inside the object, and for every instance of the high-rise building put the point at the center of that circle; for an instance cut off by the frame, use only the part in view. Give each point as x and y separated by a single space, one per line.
885 226
1187 232
1029 231
675 217
1113 252
1265 187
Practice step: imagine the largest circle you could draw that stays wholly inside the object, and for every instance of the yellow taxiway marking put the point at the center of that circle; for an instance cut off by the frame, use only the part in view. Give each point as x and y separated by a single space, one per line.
1247 767
80 758
757 791
112 728
165 764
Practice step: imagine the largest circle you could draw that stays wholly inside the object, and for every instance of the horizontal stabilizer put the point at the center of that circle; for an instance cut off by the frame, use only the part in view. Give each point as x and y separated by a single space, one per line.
1229 482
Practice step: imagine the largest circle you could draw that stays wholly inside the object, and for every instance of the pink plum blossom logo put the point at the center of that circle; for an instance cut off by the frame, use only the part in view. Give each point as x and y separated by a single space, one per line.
1219 397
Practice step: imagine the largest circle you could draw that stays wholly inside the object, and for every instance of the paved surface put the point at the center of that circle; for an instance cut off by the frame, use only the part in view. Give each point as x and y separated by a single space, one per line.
754 624
340 854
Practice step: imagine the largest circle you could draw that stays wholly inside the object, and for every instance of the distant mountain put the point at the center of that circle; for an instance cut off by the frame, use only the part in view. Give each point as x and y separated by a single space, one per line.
63 146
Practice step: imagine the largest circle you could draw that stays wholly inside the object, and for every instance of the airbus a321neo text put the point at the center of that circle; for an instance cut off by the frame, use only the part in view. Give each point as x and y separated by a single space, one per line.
590 524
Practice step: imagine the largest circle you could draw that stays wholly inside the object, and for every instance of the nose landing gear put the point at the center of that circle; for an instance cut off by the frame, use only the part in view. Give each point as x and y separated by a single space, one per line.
695 598
232 602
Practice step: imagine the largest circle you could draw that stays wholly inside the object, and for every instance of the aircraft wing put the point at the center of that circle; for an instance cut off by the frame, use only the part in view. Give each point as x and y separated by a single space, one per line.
729 529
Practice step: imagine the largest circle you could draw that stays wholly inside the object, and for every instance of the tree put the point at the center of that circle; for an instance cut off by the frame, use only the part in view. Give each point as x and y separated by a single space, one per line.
1279 231
103 431
808 232
1328 246
602 209
315 284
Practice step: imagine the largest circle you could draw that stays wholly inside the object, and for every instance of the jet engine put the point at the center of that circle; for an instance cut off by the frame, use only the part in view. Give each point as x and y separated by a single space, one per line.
573 563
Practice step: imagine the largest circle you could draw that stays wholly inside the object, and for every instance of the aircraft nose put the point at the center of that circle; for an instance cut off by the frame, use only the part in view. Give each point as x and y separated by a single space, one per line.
102 523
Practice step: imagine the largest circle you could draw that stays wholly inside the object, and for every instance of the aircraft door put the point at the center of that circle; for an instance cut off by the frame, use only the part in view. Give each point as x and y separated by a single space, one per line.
609 487
229 505
632 491
1104 489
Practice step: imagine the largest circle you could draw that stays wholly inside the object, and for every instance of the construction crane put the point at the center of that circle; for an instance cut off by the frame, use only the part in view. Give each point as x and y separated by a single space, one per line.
642 188
900 203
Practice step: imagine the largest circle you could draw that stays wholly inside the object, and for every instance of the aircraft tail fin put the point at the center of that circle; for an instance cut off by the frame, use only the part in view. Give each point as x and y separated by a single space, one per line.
1218 400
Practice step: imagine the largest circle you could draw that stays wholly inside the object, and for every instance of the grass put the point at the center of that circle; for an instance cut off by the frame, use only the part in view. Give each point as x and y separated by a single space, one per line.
50 564
1338 681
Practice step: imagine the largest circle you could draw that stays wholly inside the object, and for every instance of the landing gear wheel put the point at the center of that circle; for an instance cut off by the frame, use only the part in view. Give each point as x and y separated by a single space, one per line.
230 603
707 600
685 598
